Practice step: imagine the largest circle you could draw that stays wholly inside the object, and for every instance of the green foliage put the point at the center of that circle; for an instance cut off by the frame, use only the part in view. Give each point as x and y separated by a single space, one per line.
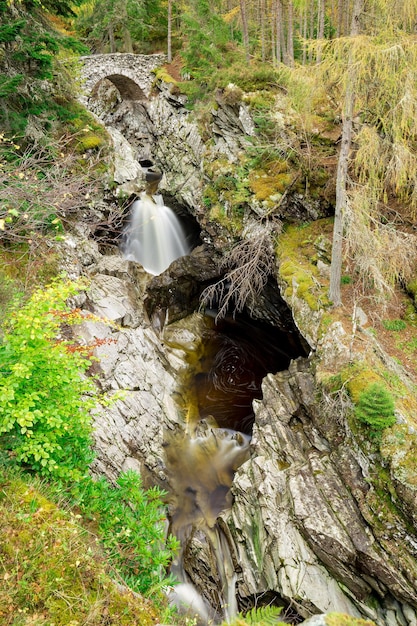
53 570
254 77
262 616
9 32
375 408
394 324
9 85
56 7
35 51
28 63
207 36
44 398
131 524
118 23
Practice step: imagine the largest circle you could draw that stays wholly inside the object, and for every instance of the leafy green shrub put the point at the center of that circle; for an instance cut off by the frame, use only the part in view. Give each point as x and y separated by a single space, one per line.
375 408
44 398
131 524
394 324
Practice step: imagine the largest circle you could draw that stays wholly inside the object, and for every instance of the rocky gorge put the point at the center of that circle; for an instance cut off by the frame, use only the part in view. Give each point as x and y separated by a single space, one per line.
302 512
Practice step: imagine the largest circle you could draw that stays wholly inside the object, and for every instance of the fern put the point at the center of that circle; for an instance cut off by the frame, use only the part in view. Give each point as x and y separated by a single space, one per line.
262 616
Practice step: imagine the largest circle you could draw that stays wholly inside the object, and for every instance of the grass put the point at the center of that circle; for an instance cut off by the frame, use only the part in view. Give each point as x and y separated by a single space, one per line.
394 325
52 569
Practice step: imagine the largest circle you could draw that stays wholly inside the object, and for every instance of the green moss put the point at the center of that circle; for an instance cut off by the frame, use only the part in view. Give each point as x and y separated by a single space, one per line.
295 251
412 289
53 572
266 184
89 141
260 99
357 376
399 447
342 619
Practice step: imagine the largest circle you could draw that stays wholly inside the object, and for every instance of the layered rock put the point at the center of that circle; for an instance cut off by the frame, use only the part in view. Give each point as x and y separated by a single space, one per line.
308 528
313 535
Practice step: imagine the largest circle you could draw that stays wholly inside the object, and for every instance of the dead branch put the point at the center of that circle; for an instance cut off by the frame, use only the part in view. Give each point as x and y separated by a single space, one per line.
248 266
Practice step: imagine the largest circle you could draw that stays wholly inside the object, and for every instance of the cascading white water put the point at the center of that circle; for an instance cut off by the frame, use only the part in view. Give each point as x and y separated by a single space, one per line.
154 237
202 468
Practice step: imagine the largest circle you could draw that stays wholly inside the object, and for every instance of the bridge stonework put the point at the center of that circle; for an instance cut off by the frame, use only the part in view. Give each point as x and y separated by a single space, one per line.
130 73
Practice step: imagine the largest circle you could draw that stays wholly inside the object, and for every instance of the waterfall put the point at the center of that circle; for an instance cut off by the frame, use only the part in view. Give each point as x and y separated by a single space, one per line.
154 237
201 460
202 467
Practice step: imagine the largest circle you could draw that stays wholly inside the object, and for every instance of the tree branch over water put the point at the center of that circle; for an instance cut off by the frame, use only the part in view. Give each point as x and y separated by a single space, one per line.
248 266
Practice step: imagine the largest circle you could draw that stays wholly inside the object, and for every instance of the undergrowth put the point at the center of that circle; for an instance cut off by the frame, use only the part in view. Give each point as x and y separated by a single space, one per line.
45 428
53 569
44 399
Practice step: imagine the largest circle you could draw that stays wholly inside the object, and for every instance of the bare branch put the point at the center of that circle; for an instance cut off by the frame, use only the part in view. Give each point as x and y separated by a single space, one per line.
247 266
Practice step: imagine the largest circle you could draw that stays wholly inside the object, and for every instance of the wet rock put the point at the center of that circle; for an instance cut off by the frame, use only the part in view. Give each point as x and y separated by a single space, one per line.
309 534
177 290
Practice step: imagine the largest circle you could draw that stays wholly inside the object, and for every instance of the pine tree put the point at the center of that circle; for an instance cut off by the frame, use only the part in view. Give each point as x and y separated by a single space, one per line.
376 408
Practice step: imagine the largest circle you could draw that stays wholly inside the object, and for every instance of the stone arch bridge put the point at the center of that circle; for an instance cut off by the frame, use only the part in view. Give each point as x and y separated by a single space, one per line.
130 73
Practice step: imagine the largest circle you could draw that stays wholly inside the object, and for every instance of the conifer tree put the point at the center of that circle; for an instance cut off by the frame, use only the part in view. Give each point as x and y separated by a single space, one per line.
376 408
378 69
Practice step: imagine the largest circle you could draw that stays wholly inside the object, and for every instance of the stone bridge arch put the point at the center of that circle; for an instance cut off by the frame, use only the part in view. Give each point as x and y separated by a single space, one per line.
131 74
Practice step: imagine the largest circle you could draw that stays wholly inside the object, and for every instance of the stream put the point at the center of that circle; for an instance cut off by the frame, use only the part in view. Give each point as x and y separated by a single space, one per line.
202 460
283 511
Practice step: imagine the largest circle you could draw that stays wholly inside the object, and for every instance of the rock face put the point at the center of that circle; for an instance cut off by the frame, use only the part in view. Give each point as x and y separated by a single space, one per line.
307 528
313 535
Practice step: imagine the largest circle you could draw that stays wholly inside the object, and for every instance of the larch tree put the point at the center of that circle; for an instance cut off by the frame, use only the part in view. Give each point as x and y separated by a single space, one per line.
342 169
379 70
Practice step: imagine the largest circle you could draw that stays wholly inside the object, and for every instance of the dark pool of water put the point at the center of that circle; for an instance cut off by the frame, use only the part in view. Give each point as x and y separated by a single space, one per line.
238 355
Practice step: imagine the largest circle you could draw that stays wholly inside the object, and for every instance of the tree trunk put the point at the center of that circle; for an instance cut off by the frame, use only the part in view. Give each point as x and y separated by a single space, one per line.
289 56
279 30
341 199
127 39
262 23
169 34
304 34
355 25
128 46
111 39
320 29
340 7
245 31
342 168
311 29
